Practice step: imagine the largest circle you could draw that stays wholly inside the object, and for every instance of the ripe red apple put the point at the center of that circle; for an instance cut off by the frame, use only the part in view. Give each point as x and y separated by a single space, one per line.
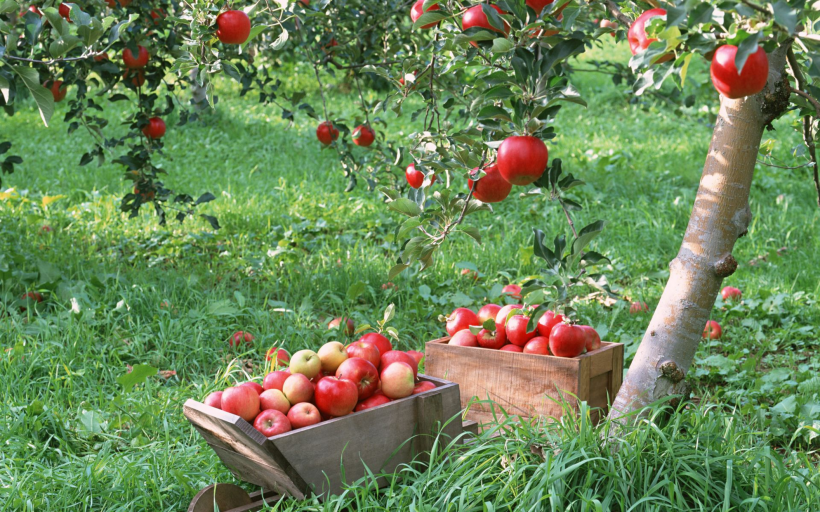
254 386
326 133
271 423
381 342
470 273
281 355
423 386
415 354
490 188
567 340
398 380
65 12
503 313
58 90
460 319
416 12
608 24
397 356
637 308
214 399
712 330
732 84
415 178
138 62
522 159
636 35
538 5
240 336
297 388
336 397
374 401
146 195
101 57
155 128
547 321
487 312
349 329
274 399
363 136
362 373
538 345
593 340
233 27
492 339
511 348
475 17
134 77
156 15
35 296
35 10
366 350
306 362
242 401
275 380
513 290
731 293
464 338
517 330
331 355
304 415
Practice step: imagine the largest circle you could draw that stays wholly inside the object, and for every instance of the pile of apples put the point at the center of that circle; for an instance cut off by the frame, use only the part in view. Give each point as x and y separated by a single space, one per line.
552 336
337 380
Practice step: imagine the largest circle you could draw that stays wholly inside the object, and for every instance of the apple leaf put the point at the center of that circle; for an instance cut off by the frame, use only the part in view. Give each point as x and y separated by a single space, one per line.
138 375
41 95
355 290
405 206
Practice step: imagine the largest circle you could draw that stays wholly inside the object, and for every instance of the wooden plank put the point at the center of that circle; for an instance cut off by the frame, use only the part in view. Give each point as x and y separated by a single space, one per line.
429 417
225 496
470 426
583 380
602 359
617 375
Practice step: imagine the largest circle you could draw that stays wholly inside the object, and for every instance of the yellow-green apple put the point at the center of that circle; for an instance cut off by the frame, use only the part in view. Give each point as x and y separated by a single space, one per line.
516 330
488 312
423 386
381 342
492 339
214 399
362 373
281 355
350 327
254 386
271 422
593 340
297 388
377 399
415 354
274 399
712 330
275 380
731 293
460 319
547 321
242 401
509 347
567 340
239 337
336 397
304 415
464 339
306 362
398 380
332 354
538 345
399 356
365 350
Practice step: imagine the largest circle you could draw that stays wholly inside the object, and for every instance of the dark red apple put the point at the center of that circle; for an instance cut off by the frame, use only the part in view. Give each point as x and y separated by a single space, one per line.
492 339
362 373
138 62
475 17
376 400
522 159
417 10
233 27
490 188
593 340
381 342
460 319
363 136
487 312
732 84
271 422
336 397
567 340
547 321
712 330
326 133
155 128
517 332
415 178
58 90
423 386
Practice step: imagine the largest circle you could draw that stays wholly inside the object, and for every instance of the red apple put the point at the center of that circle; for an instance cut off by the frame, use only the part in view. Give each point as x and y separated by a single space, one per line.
415 178
58 90
65 11
522 159
475 17
214 399
464 339
274 399
517 332
637 308
417 10
138 62
363 136
538 345
254 386
336 397
423 386
397 356
306 362
398 380
538 5
511 348
415 354
381 342
282 356
242 401
731 293
362 373
513 290
374 401
233 27
326 133
134 77
593 340
304 415
275 380
547 321
712 330
297 389
460 319
503 313
331 355
271 422
155 128
365 350
470 273
349 329
487 312
636 35
239 337
732 84
492 339
490 188
567 340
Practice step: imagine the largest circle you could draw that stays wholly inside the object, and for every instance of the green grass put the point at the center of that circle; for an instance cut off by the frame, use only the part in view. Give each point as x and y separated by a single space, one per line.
292 245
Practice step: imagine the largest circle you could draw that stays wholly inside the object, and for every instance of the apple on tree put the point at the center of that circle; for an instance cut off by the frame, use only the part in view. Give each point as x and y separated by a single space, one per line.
418 9
155 128
415 178
731 84
138 62
233 27
636 35
475 17
490 188
58 90
522 159
363 135
326 133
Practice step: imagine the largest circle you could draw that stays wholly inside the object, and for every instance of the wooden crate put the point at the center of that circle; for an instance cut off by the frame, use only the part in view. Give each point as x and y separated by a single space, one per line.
526 385
310 459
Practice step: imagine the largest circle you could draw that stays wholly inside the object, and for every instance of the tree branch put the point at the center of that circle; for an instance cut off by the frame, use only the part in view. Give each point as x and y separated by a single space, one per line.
621 17
808 121
53 61
756 7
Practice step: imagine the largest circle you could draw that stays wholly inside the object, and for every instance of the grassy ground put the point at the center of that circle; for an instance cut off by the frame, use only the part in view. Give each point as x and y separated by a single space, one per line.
292 246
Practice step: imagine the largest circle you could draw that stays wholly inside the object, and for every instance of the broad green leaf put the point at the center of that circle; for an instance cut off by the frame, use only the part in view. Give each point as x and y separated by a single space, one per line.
746 48
502 45
5 89
405 206
8 6
280 41
430 17
389 311
685 67
785 15
41 95
473 232
92 421
139 373
355 290
396 270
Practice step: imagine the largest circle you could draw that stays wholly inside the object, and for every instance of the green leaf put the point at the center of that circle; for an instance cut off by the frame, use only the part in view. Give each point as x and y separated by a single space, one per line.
785 15
430 17
746 48
493 112
389 312
502 45
396 270
222 308
473 232
8 6
41 95
540 250
92 421
355 290
138 375
5 91
405 206
48 272
240 299
585 236
281 40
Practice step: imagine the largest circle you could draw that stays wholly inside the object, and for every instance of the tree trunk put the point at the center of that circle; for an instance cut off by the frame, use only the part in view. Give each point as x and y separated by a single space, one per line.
719 217
199 93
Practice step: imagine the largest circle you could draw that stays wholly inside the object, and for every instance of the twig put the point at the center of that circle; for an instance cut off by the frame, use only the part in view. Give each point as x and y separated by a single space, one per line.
814 102
356 66
756 7
321 89
361 98
569 219
808 121
53 61
783 166
621 17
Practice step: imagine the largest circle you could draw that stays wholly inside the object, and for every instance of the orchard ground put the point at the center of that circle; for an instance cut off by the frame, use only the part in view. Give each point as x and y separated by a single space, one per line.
292 252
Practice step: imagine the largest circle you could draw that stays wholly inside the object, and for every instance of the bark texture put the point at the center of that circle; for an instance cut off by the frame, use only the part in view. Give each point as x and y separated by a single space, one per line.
199 93
719 217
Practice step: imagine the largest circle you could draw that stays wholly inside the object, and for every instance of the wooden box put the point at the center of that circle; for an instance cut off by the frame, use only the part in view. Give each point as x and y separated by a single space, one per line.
310 459
526 385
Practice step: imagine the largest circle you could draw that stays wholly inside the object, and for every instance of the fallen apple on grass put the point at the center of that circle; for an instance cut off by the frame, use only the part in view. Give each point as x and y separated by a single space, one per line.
730 293
281 355
712 330
240 337
336 323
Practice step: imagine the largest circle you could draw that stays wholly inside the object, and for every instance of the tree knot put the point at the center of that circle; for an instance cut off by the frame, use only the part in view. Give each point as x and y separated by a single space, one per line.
776 100
670 370
725 266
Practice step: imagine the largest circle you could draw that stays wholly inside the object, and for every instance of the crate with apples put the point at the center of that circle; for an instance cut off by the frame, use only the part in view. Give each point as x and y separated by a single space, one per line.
502 365
320 417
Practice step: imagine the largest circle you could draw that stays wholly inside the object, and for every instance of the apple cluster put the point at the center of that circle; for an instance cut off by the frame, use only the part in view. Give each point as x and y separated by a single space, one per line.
505 328
310 387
